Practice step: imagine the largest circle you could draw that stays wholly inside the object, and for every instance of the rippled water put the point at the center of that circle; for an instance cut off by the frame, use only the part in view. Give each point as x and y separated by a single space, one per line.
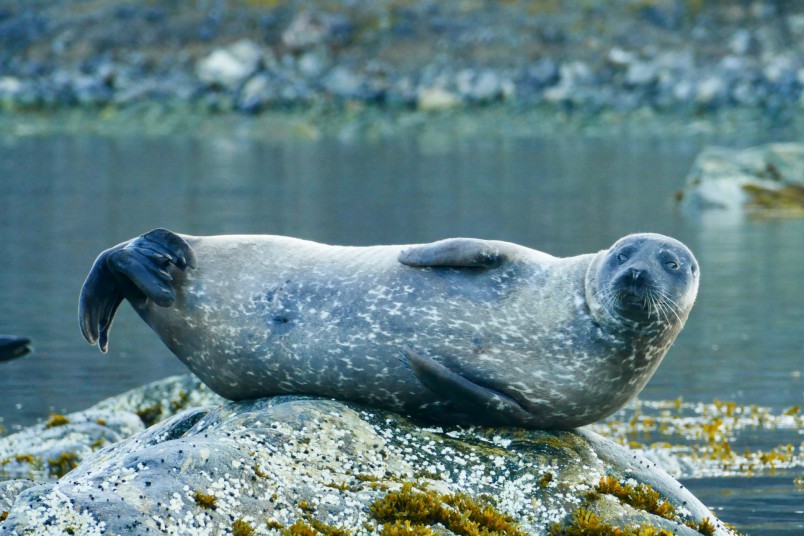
65 198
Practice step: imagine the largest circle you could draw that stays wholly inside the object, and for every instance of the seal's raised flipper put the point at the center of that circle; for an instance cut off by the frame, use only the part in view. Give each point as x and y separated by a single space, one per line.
464 393
456 252
13 347
136 270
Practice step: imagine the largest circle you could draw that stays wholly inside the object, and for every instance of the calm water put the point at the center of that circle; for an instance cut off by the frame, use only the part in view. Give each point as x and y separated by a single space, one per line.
64 199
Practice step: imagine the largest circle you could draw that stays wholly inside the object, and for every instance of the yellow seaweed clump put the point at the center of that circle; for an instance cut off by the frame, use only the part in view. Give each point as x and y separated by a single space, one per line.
242 528
62 465
641 497
586 523
205 500
56 420
460 513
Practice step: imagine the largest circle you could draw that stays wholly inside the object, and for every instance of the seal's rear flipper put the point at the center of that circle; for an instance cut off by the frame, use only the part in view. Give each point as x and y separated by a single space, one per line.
453 252
136 270
13 347
470 397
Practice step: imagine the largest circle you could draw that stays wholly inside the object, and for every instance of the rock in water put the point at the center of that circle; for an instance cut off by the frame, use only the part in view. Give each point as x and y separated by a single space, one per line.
767 179
300 462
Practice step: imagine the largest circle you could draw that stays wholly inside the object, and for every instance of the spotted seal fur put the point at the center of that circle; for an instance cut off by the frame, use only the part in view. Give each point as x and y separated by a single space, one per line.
458 331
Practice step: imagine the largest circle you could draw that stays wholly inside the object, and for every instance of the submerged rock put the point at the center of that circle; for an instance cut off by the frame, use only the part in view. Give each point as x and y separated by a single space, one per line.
276 463
767 179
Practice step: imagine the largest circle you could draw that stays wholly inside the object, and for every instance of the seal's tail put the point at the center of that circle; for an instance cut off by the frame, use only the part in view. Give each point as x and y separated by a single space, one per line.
137 270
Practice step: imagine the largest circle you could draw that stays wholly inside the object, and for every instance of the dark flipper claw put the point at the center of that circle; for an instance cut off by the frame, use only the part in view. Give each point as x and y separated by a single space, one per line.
137 270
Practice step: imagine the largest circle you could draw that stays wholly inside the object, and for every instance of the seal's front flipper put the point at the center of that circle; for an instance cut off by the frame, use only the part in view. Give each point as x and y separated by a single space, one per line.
453 252
13 347
466 395
137 270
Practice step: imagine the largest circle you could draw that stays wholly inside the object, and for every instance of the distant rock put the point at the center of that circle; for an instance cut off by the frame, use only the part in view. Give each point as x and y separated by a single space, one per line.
295 464
436 98
231 66
309 30
767 179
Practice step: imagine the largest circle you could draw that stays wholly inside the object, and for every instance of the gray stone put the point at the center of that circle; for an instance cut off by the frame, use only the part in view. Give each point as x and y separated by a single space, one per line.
342 82
10 490
231 66
641 73
52 447
742 42
733 179
273 462
257 93
308 30
480 85
711 90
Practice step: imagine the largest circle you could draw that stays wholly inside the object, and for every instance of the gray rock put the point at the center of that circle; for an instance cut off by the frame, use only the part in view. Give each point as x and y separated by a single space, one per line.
742 42
544 73
482 86
343 82
11 86
308 30
229 67
711 90
641 73
257 93
767 177
573 75
275 462
10 490
63 441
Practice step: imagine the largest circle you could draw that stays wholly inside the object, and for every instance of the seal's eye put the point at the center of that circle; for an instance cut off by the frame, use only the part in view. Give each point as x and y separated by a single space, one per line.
622 257
671 265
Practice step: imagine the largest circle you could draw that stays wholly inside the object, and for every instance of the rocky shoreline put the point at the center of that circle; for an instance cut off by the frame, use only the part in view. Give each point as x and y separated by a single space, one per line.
671 56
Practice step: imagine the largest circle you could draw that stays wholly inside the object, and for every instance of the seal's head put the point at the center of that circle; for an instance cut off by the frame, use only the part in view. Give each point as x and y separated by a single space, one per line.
643 279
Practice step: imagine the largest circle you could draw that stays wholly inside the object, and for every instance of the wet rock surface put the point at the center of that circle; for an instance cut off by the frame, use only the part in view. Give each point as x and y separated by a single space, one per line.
251 56
765 180
275 463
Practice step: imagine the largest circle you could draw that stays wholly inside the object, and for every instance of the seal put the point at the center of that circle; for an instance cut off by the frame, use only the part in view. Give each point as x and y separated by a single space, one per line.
12 347
461 330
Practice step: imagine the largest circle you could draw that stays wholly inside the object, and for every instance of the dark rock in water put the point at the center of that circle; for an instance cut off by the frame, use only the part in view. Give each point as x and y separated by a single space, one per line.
767 179
273 463
12 347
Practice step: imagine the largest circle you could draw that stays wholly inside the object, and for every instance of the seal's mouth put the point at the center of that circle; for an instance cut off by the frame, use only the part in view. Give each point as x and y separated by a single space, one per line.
641 300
